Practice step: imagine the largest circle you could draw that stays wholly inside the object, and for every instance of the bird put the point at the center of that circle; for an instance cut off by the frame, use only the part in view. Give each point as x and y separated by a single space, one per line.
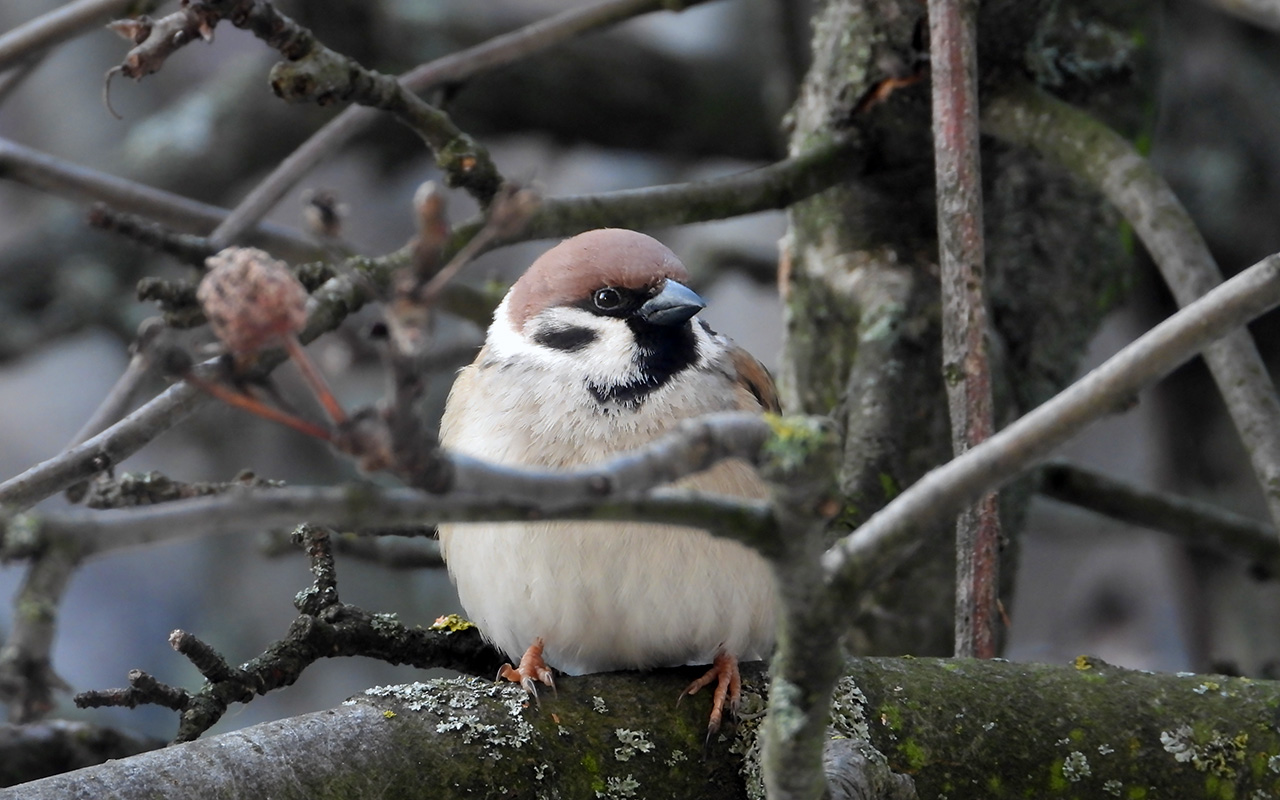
597 349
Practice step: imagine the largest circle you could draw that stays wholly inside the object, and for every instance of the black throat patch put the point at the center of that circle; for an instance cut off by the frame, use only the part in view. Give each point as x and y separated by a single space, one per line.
662 352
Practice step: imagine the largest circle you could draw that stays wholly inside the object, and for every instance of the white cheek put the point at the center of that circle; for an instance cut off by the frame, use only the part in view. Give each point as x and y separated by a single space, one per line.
608 359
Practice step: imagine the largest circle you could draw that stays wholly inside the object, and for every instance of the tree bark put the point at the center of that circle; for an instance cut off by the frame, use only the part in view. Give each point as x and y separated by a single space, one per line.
959 728
860 280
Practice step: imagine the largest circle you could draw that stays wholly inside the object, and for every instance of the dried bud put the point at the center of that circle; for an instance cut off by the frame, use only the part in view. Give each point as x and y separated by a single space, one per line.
323 212
251 299
512 209
135 30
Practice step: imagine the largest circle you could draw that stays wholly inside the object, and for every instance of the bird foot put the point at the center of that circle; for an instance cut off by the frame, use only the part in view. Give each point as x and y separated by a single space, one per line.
532 671
724 671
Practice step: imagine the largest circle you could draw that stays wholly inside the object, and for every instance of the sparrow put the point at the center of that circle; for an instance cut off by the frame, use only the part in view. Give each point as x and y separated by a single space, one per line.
596 349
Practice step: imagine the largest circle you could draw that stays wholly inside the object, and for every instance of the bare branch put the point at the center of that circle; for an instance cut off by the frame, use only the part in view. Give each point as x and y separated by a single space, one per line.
457 66
1102 157
870 552
1265 13
610 490
1197 523
63 23
765 188
50 174
329 305
966 371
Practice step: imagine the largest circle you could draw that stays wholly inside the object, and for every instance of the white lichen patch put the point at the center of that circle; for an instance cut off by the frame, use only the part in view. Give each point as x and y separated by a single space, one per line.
677 756
417 696
1076 767
1113 787
598 706
1217 754
633 742
1105 749
619 788
1178 744
460 705
849 711
1273 764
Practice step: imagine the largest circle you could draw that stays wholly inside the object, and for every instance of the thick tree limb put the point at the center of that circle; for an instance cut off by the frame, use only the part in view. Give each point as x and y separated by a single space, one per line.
956 727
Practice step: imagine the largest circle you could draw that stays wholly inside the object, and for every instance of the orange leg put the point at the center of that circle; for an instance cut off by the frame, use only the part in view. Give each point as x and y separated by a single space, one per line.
532 670
724 671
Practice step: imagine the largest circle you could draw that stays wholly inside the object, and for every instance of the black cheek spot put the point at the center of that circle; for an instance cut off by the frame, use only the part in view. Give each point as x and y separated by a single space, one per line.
567 338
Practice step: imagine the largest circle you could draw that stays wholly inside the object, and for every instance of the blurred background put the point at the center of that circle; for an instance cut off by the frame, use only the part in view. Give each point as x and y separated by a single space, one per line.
615 110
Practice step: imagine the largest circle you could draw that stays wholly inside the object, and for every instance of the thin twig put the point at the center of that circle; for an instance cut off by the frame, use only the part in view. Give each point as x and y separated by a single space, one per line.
61 24
1090 149
953 50
14 77
774 186
872 551
330 304
27 679
1265 13
1195 522
117 400
755 190
454 67
186 247
54 175
621 488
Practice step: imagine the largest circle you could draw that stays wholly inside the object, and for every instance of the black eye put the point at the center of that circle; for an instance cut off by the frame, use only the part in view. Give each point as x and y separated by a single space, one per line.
607 299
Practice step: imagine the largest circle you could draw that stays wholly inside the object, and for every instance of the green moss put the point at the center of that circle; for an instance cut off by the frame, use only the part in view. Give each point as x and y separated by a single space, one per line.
890 715
592 768
888 485
1057 781
915 755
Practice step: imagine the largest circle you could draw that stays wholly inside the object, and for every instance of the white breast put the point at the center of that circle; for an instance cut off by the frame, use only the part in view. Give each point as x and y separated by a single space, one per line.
603 596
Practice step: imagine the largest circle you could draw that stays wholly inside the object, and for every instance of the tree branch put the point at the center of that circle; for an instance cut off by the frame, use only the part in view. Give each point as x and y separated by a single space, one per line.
63 23
1196 523
455 67
953 46
1260 12
610 490
1101 157
53 175
766 188
1108 730
869 553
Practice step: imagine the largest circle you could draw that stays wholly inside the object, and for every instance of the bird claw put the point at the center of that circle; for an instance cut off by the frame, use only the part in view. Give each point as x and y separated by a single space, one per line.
532 671
728 693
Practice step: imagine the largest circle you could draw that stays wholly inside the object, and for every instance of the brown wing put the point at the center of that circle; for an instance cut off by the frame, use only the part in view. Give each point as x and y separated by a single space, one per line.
756 380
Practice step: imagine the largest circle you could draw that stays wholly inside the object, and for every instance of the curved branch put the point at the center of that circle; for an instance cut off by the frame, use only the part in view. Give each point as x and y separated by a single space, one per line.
1103 158
766 188
1197 523
455 67
859 559
610 490
56 176
61 24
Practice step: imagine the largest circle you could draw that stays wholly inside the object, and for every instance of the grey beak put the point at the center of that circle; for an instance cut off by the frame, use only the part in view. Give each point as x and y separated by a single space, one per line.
674 305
